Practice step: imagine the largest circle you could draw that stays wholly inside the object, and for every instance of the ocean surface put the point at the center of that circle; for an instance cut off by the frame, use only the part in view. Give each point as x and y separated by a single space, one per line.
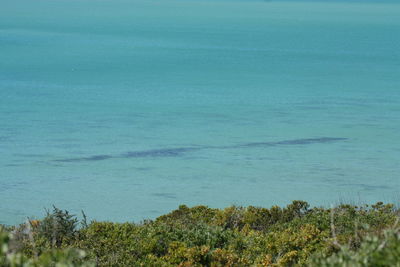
128 108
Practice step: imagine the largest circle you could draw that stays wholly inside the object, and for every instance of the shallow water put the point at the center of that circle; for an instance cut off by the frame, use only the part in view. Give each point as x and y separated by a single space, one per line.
128 108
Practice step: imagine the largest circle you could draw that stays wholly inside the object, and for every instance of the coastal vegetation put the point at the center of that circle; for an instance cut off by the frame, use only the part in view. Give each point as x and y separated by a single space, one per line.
296 235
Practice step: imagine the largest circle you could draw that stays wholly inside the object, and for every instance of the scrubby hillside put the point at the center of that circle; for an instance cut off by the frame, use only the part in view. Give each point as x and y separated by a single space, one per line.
296 235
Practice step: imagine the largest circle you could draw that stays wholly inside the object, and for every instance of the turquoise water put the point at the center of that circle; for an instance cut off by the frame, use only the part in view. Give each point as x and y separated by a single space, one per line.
128 108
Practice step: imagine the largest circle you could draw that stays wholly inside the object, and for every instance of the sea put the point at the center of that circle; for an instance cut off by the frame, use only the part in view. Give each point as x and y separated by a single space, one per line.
126 109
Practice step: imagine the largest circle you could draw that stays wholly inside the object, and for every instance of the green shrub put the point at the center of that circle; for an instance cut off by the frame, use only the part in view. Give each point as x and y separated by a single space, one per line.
296 235
57 227
374 251
51 258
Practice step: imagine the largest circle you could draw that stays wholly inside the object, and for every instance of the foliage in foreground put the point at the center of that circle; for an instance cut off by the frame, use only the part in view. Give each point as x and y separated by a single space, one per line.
296 235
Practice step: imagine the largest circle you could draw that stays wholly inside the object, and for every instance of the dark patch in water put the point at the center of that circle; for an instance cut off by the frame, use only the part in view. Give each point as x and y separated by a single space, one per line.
99 157
144 169
12 165
4 138
92 158
155 211
307 141
180 151
253 144
367 187
168 152
99 127
165 195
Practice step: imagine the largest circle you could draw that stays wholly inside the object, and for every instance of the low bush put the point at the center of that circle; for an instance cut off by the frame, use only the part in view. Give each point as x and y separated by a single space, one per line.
296 235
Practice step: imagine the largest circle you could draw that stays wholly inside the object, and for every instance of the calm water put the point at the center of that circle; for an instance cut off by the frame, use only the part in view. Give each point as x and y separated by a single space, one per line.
128 108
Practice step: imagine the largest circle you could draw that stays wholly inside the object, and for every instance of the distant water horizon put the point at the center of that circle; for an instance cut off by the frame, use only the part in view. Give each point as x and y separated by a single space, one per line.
128 108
